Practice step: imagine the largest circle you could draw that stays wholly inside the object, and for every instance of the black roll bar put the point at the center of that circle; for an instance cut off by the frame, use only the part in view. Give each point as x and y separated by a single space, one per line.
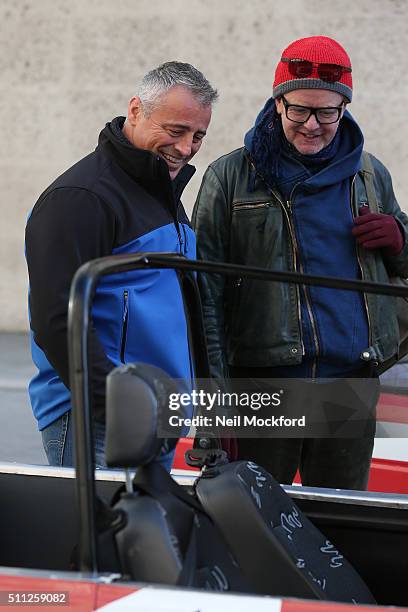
79 325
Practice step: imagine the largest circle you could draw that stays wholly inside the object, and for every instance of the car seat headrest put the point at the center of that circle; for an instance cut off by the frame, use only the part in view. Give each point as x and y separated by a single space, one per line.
137 398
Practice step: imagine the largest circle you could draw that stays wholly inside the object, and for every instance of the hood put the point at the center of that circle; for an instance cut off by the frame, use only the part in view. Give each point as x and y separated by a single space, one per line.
347 161
273 159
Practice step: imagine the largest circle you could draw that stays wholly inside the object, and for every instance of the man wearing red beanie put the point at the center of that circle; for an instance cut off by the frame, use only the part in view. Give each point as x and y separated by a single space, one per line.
293 199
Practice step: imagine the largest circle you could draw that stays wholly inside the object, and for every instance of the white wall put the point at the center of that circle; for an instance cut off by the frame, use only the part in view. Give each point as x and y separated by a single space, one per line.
69 66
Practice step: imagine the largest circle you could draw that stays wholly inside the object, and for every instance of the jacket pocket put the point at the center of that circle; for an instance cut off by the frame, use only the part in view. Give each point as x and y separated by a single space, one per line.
238 206
125 319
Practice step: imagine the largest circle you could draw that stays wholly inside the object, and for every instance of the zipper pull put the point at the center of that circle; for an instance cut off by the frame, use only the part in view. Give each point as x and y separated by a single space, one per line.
125 309
361 205
124 325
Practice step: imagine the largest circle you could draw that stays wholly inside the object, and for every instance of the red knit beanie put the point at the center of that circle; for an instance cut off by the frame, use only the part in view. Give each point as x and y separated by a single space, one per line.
319 50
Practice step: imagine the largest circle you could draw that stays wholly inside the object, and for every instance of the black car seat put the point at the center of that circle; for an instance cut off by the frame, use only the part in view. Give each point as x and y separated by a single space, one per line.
164 536
237 531
278 548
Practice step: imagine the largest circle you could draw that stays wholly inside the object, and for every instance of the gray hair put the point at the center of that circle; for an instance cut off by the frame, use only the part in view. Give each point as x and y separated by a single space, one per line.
159 80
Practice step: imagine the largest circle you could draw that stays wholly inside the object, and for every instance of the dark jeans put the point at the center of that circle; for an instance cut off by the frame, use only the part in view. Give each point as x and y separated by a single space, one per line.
326 460
338 463
58 444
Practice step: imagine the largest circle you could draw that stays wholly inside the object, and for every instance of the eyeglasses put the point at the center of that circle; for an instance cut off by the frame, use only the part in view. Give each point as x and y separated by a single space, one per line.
330 73
301 114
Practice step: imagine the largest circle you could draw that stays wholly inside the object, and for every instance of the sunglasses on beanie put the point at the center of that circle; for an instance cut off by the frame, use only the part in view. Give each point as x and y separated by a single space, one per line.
330 73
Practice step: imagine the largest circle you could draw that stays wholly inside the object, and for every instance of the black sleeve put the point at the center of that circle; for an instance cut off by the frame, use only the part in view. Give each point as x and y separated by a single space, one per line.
68 227
211 223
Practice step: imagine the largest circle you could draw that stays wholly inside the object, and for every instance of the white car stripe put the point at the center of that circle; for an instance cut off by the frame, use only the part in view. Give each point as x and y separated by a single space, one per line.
151 599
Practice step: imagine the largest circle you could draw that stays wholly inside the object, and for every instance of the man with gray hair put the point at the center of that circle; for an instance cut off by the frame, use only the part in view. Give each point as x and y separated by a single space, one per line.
122 198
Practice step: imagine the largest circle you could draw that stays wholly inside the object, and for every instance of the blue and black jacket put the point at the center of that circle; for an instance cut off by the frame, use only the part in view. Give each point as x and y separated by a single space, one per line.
118 199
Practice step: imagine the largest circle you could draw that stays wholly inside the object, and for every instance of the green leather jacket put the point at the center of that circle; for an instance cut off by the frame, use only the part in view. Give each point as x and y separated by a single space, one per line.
257 323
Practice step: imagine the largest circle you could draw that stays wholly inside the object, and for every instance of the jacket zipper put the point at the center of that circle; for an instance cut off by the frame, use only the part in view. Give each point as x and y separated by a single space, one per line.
180 239
185 239
307 296
295 259
125 319
305 291
370 331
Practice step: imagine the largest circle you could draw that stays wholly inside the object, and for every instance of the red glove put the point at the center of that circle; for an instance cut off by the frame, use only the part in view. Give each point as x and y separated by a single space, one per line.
378 231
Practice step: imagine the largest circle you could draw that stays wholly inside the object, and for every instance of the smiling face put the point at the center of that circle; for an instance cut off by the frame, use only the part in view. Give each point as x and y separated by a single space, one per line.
174 129
310 137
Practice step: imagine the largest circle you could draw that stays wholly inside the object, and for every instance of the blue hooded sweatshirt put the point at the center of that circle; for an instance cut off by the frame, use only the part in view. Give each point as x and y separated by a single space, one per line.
318 189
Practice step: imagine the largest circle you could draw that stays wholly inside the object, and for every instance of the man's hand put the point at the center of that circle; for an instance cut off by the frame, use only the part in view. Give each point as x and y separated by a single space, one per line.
378 231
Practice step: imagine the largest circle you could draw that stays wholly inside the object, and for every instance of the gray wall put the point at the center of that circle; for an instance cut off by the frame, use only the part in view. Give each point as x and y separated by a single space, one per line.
68 66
